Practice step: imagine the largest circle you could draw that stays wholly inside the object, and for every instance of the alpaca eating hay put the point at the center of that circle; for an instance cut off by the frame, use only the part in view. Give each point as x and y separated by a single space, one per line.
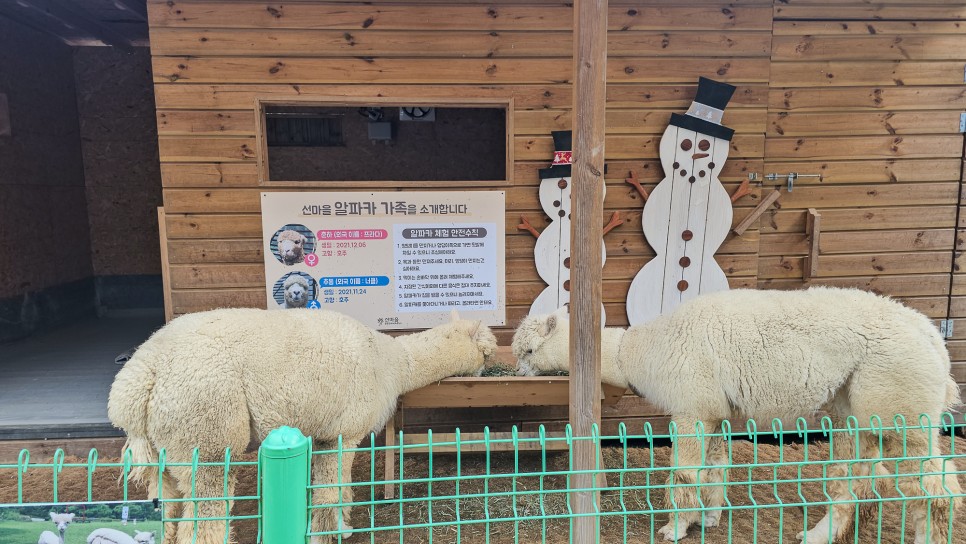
61 521
773 354
291 246
217 379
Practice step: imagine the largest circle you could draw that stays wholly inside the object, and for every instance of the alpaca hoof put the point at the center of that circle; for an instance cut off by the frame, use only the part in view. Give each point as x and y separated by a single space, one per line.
674 531
711 519
813 537
346 529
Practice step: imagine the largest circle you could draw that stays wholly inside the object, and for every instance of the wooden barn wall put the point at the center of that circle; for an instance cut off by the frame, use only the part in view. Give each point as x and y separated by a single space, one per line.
212 58
869 95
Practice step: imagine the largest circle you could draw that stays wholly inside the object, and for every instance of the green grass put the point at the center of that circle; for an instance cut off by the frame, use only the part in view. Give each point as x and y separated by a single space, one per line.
27 532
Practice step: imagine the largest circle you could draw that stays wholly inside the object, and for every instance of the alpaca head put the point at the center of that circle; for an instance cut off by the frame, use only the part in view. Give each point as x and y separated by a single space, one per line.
537 343
61 521
291 246
144 537
470 344
296 291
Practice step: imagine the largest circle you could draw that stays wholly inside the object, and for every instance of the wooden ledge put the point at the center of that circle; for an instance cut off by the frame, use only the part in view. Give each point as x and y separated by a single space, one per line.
500 391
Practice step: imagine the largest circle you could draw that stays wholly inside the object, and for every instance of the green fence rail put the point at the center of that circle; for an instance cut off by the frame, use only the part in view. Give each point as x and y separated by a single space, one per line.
888 480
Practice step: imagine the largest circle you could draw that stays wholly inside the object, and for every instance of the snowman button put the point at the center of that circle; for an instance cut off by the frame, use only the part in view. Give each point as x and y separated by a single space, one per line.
562 184
691 179
676 164
566 285
685 262
567 262
687 235
561 213
556 203
683 285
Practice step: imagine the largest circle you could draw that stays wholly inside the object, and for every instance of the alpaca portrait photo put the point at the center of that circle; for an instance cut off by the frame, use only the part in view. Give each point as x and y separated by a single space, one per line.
295 290
291 243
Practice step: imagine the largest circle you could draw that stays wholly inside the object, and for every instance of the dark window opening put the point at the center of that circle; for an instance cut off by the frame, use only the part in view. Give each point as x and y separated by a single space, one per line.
385 143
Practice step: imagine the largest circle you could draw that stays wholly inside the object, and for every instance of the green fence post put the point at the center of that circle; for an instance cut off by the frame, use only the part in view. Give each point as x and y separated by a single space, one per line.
284 457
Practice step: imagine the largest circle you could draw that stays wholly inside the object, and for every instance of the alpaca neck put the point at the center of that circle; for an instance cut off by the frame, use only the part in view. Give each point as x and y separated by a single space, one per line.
610 369
427 360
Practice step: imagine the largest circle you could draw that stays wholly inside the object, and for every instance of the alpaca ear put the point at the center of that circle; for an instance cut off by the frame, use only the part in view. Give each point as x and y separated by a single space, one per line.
475 328
549 325
51 516
454 316
70 516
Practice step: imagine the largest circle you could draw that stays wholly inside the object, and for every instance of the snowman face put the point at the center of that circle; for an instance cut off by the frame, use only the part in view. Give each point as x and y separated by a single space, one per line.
695 157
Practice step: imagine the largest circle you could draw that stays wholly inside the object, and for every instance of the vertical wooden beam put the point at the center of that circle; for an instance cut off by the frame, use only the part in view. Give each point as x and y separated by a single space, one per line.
590 62
165 266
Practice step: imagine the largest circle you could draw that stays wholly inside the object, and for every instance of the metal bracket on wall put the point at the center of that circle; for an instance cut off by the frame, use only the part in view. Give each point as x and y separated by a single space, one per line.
962 122
946 328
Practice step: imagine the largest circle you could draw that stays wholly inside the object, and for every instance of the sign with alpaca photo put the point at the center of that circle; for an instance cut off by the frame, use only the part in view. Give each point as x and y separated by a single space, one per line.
688 215
392 260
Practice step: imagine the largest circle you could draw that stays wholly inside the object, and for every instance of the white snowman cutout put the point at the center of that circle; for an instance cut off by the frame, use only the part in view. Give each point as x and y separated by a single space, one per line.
688 214
552 250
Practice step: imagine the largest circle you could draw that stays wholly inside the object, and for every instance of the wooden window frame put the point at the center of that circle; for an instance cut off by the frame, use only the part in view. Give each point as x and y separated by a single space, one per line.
261 141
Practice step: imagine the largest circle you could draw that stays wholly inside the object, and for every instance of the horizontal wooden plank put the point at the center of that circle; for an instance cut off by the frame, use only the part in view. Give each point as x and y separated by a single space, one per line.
848 196
558 96
209 174
179 149
864 147
214 276
870 171
187 225
880 241
515 391
359 70
856 11
850 219
170 13
853 73
222 123
863 123
215 251
866 28
622 146
905 286
533 42
200 300
649 172
540 122
858 265
868 98
868 47
294 70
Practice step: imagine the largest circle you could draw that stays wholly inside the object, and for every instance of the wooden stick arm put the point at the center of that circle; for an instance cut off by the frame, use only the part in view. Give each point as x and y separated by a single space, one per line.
741 191
757 212
615 221
525 225
632 180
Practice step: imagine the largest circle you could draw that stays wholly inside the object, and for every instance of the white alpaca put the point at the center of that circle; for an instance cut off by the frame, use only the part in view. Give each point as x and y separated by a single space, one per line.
775 354
61 521
296 292
218 379
113 536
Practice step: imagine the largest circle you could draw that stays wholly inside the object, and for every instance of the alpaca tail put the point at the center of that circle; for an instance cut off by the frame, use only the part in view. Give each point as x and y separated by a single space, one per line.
127 408
953 397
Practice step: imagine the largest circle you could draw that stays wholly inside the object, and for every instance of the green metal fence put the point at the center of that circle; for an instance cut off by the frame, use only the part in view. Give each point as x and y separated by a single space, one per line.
887 478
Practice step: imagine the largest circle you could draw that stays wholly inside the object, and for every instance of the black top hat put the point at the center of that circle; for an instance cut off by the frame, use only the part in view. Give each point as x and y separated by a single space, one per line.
704 115
562 145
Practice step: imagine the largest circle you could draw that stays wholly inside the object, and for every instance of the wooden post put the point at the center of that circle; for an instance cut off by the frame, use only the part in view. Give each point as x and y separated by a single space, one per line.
590 62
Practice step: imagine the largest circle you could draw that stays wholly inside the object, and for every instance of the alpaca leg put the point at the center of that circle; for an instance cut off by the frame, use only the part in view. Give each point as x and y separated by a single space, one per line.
928 496
841 489
683 495
206 503
325 470
170 510
713 495
347 459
